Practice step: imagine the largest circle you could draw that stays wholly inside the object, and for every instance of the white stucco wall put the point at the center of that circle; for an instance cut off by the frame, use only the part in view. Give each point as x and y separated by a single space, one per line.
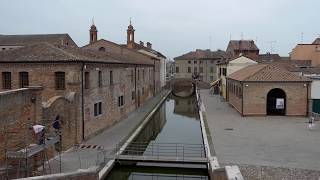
239 63
315 88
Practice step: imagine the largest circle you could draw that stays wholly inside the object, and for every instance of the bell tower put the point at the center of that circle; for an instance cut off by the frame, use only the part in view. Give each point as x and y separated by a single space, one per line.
130 36
93 33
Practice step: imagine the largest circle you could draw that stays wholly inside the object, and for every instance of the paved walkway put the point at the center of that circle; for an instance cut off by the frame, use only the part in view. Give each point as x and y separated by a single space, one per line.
263 141
87 157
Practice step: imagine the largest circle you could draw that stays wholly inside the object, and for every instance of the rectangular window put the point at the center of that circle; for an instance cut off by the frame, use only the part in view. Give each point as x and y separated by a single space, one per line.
211 61
98 109
138 75
24 79
111 77
189 62
120 101
177 69
99 78
211 78
211 69
195 62
143 74
132 76
189 69
201 69
6 80
133 95
195 69
224 71
143 90
60 80
86 80
200 62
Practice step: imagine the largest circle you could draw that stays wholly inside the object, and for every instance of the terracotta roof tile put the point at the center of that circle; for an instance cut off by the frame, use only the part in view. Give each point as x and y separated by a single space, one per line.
266 73
202 54
56 39
243 45
45 52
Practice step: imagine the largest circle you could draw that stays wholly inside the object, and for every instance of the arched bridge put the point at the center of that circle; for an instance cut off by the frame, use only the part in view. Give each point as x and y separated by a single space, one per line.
184 87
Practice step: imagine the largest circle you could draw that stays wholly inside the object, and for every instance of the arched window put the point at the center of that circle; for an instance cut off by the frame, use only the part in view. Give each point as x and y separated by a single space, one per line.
102 49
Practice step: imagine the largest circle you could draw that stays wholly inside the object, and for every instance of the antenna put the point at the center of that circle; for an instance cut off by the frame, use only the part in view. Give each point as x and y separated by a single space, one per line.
230 37
302 34
130 20
92 20
241 35
210 42
271 45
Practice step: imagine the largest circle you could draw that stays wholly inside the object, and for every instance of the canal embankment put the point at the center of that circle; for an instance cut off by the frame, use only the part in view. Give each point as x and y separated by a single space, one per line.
85 163
215 171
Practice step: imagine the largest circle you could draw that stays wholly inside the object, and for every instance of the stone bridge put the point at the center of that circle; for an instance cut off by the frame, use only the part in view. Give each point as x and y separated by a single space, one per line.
184 87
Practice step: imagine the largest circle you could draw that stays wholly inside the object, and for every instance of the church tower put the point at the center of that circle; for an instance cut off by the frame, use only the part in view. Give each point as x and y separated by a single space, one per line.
93 33
130 36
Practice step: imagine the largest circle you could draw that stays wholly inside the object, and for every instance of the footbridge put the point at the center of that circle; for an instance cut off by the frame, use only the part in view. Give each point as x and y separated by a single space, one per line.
185 87
163 153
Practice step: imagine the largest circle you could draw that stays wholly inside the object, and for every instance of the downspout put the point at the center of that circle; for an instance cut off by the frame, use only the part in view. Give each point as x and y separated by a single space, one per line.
135 86
82 100
307 112
154 77
242 98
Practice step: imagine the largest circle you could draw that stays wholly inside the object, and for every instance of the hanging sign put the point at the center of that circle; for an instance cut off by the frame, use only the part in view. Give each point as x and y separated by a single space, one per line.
280 103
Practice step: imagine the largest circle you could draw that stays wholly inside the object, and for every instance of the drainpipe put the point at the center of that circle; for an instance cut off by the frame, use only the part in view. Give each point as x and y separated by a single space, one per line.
82 100
135 86
307 112
242 98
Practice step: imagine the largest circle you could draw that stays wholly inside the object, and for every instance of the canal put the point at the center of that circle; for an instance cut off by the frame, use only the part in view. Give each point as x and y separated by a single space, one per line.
174 130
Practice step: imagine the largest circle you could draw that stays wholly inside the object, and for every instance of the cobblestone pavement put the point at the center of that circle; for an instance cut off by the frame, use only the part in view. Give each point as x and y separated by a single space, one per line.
83 158
258 142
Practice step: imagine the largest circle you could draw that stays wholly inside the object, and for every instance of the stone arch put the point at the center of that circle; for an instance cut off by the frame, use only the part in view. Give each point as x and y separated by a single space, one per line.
66 108
276 102
102 49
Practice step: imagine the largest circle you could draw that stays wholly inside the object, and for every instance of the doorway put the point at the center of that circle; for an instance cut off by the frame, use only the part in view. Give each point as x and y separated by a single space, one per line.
276 102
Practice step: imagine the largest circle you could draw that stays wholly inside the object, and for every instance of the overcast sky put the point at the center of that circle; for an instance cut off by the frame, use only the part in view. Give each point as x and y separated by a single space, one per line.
174 27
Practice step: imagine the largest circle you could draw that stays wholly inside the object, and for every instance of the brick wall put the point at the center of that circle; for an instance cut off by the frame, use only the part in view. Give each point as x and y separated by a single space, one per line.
125 83
19 111
255 98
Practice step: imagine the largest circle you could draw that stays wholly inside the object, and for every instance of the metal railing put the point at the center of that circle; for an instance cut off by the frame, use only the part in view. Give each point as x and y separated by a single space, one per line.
161 151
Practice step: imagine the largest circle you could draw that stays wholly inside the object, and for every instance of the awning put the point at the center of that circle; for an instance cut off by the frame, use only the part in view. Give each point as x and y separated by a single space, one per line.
214 83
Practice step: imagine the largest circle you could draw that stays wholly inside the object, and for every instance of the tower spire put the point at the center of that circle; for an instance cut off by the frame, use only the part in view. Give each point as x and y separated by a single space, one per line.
92 20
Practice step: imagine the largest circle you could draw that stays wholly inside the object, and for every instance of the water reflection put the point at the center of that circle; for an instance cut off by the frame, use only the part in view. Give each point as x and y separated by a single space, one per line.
175 123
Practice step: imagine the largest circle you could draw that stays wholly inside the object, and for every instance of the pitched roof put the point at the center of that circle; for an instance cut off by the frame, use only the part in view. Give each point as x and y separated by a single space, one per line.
243 45
316 41
266 73
268 57
45 52
202 54
56 39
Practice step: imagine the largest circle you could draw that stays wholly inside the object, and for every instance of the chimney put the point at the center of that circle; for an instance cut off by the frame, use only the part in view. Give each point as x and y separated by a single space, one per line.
141 43
149 45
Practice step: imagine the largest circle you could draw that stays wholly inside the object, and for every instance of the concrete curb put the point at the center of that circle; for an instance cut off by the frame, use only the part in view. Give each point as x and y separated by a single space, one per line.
215 171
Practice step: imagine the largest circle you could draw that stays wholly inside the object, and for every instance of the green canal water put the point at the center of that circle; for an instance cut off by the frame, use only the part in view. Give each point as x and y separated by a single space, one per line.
176 121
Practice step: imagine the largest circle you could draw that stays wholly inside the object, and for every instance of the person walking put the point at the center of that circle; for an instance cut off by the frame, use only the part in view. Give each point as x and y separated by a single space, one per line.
311 122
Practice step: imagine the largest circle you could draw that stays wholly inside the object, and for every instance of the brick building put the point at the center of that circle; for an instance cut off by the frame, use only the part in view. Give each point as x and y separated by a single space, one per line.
307 52
243 47
90 90
267 89
202 62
